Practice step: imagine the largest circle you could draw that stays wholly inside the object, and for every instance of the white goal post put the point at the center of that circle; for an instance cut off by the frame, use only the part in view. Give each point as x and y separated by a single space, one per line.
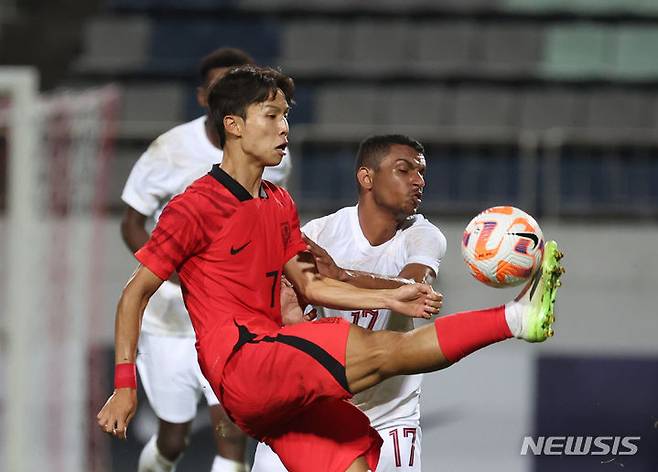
57 148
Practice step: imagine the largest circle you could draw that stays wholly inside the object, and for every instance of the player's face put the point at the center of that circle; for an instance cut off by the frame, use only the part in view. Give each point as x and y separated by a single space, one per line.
265 133
399 181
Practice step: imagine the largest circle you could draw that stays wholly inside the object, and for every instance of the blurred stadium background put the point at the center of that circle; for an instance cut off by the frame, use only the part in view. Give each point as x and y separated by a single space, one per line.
549 105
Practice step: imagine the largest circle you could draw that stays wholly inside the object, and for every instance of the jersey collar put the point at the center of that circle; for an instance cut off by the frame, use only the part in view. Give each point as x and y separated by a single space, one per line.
232 185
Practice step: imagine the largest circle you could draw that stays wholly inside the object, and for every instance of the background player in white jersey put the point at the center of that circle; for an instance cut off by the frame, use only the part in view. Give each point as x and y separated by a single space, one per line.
381 235
167 360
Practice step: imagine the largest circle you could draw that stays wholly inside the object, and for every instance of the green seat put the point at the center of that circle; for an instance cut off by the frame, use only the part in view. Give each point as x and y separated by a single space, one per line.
593 7
636 54
579 50
585 7
534 6
647 7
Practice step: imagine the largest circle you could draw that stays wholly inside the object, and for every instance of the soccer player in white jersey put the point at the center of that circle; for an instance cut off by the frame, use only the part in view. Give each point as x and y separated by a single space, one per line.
167 360
384 235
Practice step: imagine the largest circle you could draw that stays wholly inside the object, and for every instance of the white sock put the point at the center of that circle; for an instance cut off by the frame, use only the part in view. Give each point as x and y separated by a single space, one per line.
514 317
150 460
221 464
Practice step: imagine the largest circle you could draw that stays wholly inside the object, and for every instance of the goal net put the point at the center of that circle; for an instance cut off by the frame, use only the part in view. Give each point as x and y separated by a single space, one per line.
54 155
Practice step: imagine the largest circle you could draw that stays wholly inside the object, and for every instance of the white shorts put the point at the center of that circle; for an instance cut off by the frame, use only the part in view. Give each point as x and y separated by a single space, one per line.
400 452
171 377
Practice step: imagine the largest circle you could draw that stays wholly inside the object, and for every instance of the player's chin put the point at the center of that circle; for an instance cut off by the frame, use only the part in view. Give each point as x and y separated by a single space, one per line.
411 208
271 161
274 159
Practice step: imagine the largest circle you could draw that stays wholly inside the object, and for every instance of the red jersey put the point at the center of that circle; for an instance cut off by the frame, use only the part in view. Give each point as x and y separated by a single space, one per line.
229 250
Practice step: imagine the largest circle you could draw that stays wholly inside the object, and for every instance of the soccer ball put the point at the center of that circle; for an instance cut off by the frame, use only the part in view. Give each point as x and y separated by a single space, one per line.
503 246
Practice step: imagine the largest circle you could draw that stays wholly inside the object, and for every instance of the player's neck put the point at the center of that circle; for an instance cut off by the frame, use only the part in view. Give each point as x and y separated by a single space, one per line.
243 170
377 224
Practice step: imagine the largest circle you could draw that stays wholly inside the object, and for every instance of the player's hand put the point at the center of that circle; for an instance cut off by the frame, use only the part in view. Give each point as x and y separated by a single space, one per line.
293 306
416 300
324 262
117 412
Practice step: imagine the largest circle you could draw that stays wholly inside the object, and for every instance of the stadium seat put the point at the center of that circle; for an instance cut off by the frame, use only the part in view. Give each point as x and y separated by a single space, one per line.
178 44
533 6
380 46
192 5
479 109
511 48
303 111
474 6
635 56
646 7
147 110
312 5
541 110
353 105
598 6
131 4
445 46
422 107
618 113
114 44
328 177
578 51
313 46
582 7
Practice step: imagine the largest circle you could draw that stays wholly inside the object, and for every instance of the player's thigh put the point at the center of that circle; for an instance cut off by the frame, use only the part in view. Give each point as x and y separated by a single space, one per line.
328 435
370 357
401 449
266 460
167 368
272 378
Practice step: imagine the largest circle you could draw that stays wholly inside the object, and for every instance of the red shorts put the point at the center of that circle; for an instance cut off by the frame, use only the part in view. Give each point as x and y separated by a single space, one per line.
289 390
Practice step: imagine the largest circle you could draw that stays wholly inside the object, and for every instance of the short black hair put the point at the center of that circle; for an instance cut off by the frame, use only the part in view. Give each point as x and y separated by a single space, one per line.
242 86
374 148
223 57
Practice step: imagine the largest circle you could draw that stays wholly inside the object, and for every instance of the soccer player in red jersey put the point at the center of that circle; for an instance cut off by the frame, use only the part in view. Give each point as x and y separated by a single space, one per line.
231 236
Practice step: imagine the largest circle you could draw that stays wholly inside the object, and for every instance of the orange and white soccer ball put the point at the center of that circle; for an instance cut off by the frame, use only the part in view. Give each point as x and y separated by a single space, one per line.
503 246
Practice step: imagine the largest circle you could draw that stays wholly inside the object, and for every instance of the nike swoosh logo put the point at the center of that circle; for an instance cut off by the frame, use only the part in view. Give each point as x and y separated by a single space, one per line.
531 236
234 251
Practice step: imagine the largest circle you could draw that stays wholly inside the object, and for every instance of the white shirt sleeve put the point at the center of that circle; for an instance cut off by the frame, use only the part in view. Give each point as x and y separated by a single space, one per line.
147 185
425 244
311 229
279 174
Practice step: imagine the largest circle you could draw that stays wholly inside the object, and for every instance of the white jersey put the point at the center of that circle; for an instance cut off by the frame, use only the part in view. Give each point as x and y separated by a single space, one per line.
171 163
395 401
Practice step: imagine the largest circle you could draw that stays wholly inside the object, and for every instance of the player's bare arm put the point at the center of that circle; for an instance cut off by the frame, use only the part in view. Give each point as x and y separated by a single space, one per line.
418 273
120 407
133 230
417 300
413 273
134 234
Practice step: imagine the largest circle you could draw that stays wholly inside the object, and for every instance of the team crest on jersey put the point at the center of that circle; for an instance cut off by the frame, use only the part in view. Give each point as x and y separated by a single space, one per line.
285 234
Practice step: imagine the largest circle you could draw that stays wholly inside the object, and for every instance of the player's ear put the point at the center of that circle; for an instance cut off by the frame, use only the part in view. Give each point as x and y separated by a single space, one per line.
234 125
202 97
364 177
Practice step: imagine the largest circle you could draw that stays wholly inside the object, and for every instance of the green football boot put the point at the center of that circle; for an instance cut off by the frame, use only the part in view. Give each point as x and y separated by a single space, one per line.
538 297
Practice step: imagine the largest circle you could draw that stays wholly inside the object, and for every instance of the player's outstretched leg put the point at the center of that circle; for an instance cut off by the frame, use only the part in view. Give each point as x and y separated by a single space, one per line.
375 356
531 315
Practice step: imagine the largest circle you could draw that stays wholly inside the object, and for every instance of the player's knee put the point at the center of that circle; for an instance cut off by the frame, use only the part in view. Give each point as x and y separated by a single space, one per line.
230 433
171 446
